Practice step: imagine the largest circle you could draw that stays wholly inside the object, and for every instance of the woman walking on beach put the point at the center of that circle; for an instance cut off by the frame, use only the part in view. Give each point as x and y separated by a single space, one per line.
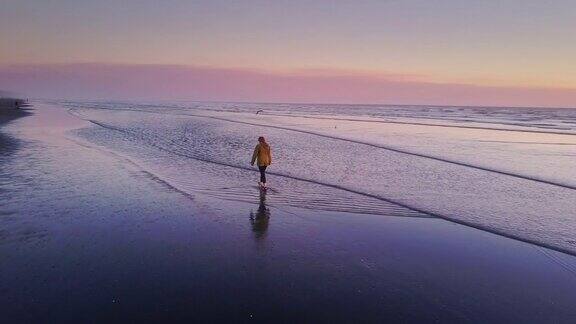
263 156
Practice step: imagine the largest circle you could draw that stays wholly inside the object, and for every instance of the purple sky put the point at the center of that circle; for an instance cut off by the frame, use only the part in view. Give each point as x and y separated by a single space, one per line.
506 52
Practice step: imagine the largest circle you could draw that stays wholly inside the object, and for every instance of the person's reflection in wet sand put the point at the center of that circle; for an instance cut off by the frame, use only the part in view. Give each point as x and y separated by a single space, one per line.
261 218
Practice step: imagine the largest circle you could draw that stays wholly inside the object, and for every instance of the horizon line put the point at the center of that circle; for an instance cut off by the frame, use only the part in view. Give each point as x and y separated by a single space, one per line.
302 103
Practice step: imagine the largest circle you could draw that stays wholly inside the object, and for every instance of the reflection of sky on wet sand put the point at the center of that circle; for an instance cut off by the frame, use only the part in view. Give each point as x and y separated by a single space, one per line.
91 236
358 167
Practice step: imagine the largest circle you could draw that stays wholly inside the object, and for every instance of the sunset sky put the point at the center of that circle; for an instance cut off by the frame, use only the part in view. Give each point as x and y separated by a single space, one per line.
494 52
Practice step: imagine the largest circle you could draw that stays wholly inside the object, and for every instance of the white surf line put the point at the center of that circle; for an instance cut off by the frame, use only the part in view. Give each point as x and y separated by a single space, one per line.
530 143
387 121
415 209
428 124
383 121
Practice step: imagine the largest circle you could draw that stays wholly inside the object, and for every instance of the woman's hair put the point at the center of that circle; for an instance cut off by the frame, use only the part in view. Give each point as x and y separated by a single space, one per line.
262 140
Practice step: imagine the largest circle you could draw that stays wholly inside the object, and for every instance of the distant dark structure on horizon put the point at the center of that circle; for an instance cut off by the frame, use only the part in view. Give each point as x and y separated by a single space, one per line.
14 103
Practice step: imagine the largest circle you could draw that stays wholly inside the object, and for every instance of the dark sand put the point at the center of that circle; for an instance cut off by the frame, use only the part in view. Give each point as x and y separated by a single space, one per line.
86 236
9 144
8 114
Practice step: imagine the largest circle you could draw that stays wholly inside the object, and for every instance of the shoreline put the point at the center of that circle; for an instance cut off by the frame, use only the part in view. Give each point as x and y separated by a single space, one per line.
9 144
92 237
508 188
9 114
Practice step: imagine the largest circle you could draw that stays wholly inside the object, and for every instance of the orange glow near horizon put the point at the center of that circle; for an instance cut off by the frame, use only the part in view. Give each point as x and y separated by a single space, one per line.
174 82
449 43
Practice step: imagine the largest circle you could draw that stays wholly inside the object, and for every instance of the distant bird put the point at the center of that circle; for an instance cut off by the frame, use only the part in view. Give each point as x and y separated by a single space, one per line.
259 111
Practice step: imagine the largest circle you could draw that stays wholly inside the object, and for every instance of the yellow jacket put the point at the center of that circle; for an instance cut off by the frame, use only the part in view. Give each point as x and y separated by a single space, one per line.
263 154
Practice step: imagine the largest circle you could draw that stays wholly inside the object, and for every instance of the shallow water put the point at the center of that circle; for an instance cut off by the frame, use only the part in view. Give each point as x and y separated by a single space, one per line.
125 225
516 181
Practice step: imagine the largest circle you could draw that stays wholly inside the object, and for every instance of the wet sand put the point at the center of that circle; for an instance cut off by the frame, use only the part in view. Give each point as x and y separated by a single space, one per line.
85 235
8 114
9 144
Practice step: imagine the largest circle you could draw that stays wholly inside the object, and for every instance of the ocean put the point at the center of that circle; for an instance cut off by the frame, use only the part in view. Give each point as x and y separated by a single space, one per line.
509 171
131 211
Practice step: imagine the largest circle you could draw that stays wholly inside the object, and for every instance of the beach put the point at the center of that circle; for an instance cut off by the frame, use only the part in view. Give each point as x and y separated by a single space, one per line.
116 213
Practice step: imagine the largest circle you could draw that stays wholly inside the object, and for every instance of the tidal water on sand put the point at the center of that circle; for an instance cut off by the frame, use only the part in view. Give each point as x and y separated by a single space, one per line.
150 213
507 170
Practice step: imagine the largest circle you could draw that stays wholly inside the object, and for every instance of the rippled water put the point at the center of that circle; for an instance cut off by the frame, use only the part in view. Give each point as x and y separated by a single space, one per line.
534 119
510 171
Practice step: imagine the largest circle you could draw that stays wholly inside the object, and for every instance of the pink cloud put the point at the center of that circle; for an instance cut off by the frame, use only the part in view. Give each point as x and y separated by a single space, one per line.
115 81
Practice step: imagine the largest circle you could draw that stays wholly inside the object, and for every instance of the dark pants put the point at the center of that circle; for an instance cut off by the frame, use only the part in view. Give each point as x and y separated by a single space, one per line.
262 169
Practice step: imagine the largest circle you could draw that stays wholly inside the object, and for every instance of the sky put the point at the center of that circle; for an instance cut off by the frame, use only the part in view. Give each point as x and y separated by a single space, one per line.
453 52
